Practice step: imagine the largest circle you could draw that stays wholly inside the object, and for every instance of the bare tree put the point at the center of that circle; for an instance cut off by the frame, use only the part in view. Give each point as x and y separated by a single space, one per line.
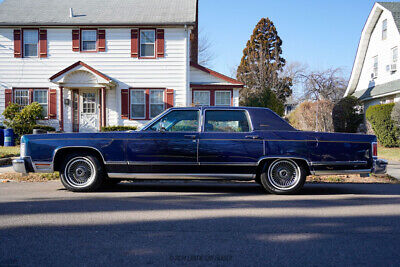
206 55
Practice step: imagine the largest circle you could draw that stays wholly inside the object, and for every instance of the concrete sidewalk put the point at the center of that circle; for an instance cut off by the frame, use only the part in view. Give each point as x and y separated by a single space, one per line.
394 169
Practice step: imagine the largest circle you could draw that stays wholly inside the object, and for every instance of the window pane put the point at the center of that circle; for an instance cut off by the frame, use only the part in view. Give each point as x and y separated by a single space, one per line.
40 96
30 50
138 106
147 50
147 36
89 103
88 46
226 121
222 98
156 96
395 54
21 97
156 109
178 121
89 35
30 37
201 98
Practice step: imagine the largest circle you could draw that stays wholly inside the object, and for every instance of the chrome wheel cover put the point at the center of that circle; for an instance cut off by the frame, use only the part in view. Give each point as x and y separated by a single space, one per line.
80 172
284 174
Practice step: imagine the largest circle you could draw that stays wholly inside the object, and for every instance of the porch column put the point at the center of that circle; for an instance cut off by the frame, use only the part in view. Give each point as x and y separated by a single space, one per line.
61 109
103 107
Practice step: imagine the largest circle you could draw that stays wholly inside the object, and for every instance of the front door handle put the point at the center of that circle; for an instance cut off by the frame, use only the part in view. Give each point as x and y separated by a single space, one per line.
190 136
252 137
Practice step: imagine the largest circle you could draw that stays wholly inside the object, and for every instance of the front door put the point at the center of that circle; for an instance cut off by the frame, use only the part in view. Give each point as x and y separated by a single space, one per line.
89 111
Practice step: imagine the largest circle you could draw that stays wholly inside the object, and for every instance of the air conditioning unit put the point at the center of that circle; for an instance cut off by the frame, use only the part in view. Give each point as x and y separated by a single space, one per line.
393 67
374 75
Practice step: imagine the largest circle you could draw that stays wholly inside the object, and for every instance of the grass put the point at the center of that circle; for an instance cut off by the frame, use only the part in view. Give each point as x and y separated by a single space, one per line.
392 153
356 179
32 177
11 151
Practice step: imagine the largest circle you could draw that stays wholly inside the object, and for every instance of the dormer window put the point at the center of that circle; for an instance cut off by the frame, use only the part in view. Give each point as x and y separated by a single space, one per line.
384 29
89 40
31 40
395 54
147 43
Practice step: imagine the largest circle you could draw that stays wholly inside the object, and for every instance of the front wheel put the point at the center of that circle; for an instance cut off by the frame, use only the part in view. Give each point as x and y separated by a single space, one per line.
283 176
82 173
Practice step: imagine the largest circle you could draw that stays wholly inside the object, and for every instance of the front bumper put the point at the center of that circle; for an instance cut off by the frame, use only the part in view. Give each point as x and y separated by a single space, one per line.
379 166
22 165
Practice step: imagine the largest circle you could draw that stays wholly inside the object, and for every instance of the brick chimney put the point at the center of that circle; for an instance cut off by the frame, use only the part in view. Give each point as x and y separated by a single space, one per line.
194 38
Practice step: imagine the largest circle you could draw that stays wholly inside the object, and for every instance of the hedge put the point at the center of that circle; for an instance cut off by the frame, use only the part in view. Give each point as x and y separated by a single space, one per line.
118 128
345 115
384 127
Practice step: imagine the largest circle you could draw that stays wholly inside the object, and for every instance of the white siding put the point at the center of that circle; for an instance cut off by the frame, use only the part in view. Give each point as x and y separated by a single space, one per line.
116 62
198 76
382 48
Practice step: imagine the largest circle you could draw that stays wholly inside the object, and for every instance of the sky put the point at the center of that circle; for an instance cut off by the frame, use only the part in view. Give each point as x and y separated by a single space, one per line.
321 34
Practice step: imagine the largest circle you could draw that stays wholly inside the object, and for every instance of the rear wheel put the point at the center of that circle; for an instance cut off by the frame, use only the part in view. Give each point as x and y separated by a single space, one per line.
82 173
283 176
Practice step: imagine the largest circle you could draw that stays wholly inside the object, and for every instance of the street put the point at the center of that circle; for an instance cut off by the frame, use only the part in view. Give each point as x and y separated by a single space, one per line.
199 223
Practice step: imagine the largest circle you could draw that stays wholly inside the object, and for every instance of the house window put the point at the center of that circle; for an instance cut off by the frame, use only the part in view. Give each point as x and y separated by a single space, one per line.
40 96
89 40
395 54
201 98
384 29
156 102
147 43
223 98
138 104
30 40
23 97
375 67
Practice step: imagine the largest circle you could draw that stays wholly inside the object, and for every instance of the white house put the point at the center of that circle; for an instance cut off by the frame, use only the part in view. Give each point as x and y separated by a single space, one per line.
97 63
375 78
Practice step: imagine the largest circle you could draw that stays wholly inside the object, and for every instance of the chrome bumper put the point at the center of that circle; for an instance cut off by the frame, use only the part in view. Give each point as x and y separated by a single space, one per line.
19 165
379 166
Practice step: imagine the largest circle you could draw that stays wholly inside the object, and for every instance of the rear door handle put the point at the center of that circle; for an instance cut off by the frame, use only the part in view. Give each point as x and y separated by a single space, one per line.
252 137
190 136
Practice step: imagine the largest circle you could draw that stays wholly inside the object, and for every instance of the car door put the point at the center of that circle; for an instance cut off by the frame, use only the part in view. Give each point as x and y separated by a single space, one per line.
169 145
227 143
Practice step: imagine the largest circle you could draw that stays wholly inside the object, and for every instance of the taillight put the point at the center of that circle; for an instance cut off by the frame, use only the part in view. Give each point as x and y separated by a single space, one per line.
375 150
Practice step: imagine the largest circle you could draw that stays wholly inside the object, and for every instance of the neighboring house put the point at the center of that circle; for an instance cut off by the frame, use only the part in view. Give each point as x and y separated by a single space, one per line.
94 63
290 105
375 78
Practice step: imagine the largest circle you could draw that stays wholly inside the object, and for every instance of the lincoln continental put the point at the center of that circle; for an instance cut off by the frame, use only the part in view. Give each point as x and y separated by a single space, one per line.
238 143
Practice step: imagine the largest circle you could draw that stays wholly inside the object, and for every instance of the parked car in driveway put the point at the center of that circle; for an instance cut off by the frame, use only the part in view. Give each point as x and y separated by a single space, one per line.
201 143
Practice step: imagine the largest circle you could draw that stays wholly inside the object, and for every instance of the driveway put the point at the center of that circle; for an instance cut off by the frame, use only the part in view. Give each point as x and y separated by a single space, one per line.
199 223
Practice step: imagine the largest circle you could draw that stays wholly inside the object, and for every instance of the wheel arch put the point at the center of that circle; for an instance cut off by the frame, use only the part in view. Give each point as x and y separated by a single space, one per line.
59 154
265 161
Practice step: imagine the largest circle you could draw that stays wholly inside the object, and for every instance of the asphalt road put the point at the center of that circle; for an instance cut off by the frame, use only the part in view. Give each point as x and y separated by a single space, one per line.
199 223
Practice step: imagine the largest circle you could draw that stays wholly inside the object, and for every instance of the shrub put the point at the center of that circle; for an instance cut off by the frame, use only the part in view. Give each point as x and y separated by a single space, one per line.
384 127
44 127
118 128
396 113
346 116
304 116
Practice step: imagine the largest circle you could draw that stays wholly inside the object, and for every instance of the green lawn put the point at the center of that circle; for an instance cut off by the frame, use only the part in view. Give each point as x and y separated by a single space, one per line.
11 151
389 153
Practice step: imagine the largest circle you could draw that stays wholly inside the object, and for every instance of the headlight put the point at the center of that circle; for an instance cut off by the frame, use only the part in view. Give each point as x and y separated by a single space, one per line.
22 152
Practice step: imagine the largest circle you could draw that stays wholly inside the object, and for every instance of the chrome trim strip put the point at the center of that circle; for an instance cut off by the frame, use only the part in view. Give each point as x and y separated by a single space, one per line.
319 163
283 157
338 172
116 163
145 163
179 176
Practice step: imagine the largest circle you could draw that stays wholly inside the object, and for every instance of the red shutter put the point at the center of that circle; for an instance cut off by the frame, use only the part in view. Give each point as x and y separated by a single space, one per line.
134 43
76 40
17 43
124 103
8 96
169 98
160 43
102 40
53 104
43 43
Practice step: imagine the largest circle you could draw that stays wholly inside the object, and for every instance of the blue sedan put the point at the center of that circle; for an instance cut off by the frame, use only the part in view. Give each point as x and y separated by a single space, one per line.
237 143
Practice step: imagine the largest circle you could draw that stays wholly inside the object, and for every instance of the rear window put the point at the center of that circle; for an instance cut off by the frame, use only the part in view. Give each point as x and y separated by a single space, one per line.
231 121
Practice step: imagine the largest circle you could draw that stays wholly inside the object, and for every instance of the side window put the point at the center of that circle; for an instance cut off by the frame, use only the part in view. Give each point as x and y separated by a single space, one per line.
177 121
226 121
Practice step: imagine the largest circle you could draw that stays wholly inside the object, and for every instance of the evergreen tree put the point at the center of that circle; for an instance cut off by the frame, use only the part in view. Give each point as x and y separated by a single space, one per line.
261 66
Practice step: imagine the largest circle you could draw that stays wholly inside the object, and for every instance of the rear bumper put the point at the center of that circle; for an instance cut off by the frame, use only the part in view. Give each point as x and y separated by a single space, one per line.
379 166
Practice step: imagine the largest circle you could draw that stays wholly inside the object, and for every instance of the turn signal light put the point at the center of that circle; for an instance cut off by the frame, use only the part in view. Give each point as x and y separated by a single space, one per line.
375 150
